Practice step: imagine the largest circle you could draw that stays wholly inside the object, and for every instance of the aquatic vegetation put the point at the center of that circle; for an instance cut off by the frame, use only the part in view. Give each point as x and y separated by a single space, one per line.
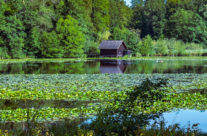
130 115
55 97
89 92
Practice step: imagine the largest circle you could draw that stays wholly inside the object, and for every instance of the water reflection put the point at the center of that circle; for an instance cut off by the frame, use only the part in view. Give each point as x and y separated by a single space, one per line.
186 117
107 66
113 66
38 104
58 128
72 127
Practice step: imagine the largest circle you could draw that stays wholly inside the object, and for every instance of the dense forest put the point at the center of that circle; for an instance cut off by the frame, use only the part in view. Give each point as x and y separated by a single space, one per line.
75 28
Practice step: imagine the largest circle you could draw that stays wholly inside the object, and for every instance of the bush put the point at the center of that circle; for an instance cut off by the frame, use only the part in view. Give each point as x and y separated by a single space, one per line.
161 48
3 53
71 37
193 49
50 47
146 47
138 54
172 47
176 47
91 49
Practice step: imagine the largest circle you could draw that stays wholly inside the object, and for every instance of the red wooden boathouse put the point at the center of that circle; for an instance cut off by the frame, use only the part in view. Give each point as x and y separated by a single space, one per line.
113 48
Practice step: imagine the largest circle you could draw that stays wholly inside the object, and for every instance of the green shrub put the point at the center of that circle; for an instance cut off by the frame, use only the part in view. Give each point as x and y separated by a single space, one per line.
146 47
175 47
3 53
91 49
138 54
193 49
161 47
50 47
71 37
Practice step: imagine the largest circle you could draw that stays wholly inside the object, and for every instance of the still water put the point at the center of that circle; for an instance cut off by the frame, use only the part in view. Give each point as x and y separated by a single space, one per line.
195 120
183 117
187 117
107 66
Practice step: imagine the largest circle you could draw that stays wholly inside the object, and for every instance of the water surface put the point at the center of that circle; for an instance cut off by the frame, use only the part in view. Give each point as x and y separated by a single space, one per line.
108 66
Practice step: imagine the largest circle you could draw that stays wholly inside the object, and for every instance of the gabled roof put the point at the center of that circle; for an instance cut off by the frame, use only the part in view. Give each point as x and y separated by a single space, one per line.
111 44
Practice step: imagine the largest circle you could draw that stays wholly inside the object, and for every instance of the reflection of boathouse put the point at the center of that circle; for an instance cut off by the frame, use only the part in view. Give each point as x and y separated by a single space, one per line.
112 66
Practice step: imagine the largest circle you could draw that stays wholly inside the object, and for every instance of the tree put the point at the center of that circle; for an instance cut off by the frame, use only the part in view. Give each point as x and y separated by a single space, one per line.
137 17
129 37
3 47
173 5
201 8
71 38
187 26
153 18
120 14
146 47
161 47
33 43
14 35
135 3
100 15
50 45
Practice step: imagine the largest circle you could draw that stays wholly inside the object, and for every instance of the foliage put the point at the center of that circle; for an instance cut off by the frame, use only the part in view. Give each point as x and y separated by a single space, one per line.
187 26
33 45
181 19
153 18
50 98
146 47
4 53
120 14
91 49
71 38
14 36
36 21
26 26
177 48
161 47
129 115
50 47
129 37
194 49
100 15
137 2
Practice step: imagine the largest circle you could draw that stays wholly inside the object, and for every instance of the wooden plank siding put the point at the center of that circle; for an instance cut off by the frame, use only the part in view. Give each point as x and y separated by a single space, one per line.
113 48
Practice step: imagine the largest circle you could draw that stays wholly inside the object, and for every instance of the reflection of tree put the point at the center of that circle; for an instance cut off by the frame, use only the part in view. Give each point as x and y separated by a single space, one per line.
122 117
75 68
16 68
33 124
3 68
166 66
92 67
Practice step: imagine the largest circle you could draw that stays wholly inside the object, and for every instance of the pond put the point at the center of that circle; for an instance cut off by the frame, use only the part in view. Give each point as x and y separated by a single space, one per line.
183 118
56 97
147 66
195 120
187 117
